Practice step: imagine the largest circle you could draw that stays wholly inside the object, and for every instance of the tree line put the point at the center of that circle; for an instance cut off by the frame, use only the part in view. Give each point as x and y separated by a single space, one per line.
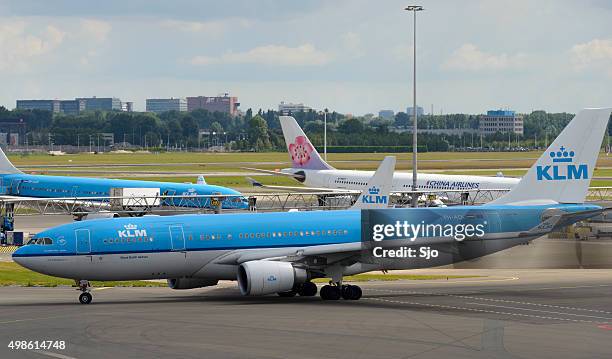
260 131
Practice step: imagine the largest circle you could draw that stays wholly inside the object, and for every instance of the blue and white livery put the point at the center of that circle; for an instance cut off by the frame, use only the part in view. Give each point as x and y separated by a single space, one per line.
14 182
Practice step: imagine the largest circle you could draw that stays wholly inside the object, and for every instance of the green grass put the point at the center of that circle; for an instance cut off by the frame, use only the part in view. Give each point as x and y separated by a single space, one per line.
182 167
391 277
13 274
220 162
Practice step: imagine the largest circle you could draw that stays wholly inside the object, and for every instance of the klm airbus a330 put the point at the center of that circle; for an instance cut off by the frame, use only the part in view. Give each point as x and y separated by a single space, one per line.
16 183
281 252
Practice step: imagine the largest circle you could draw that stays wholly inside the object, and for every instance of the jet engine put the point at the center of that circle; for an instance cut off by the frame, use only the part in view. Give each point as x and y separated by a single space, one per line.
190 283
267 277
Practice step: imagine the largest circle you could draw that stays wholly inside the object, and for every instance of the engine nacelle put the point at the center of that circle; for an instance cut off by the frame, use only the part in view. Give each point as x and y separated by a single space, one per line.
267 277
190 283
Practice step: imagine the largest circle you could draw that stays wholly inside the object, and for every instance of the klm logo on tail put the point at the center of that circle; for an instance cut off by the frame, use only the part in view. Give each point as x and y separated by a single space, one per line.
562 168
373 196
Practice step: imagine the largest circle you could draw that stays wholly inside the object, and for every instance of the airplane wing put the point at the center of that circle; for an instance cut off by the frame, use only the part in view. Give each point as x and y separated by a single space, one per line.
258 184
294 253
276 173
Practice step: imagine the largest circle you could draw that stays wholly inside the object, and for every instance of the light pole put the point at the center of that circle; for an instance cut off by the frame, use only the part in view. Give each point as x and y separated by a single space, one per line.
415 199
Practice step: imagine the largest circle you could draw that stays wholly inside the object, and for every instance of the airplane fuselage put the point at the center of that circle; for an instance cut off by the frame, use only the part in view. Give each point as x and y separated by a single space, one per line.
402 182
43 186
196 245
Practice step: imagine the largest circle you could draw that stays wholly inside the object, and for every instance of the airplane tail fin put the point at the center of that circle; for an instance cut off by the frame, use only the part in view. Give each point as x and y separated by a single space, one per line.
6 167
564 171
303 154
376 193
201 180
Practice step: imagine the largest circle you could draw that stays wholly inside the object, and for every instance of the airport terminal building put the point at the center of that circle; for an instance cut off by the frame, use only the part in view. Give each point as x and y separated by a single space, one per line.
501 121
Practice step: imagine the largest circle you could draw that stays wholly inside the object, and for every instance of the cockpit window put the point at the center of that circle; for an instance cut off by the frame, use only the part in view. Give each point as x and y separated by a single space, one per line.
41 241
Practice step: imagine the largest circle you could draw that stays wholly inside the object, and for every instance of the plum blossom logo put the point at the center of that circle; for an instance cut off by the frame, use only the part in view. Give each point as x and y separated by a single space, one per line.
300 151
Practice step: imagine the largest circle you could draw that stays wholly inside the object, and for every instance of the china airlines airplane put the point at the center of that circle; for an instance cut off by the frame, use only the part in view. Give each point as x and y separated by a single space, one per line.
310 169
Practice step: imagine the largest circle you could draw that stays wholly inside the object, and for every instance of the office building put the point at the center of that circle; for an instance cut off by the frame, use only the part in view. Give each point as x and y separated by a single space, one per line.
501 121
386 114
71 107
127 106
419 111
222 103
159 105
101 103
76 106
46 105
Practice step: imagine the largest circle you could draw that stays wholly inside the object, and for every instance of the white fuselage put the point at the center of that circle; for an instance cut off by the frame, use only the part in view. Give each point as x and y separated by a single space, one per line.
402 182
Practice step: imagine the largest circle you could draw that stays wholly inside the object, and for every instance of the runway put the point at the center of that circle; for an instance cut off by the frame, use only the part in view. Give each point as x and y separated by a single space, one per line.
508 314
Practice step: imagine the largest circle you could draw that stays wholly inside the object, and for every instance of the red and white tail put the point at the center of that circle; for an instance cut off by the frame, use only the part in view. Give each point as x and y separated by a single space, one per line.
301 151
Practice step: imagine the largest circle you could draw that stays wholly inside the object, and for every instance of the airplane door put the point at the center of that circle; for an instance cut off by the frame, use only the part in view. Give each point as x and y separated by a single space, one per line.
83 243
15 187
75 191
177 237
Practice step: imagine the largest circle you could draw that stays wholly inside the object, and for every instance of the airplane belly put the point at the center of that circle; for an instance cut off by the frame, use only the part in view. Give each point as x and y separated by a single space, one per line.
57 266
137 266
197 261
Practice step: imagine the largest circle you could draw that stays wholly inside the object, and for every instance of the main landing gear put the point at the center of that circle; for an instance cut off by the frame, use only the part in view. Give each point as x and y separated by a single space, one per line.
336 291
307 289
84 287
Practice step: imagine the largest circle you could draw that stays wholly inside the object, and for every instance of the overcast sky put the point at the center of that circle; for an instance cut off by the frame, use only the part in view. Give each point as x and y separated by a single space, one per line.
351 56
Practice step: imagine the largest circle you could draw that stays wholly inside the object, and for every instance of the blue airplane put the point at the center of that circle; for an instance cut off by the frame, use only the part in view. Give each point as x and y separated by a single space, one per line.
282 252
14 182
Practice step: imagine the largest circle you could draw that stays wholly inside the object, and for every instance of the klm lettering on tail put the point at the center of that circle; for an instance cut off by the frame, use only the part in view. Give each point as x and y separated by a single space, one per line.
373 196
562 168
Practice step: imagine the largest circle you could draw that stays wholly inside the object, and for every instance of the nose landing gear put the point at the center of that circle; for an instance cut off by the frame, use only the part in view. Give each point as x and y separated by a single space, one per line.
84 287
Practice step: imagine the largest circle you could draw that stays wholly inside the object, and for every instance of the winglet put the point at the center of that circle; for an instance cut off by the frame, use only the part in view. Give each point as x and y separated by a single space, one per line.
301 151
376 193
6 167
563 173
254 182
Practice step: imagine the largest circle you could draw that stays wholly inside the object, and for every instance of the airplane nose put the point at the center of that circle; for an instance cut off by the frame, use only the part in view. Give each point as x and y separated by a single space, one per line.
17 258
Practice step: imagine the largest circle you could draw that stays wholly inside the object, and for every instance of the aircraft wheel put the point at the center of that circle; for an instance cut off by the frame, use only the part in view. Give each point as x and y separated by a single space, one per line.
356 292
308 289
351 292
329 292
85 298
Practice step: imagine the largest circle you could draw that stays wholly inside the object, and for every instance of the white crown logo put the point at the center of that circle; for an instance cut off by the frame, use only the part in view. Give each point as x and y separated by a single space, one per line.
130 226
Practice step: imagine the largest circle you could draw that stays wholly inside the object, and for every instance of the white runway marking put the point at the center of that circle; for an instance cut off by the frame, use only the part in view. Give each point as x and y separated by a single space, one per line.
540 311
54 355
493 300
485 311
